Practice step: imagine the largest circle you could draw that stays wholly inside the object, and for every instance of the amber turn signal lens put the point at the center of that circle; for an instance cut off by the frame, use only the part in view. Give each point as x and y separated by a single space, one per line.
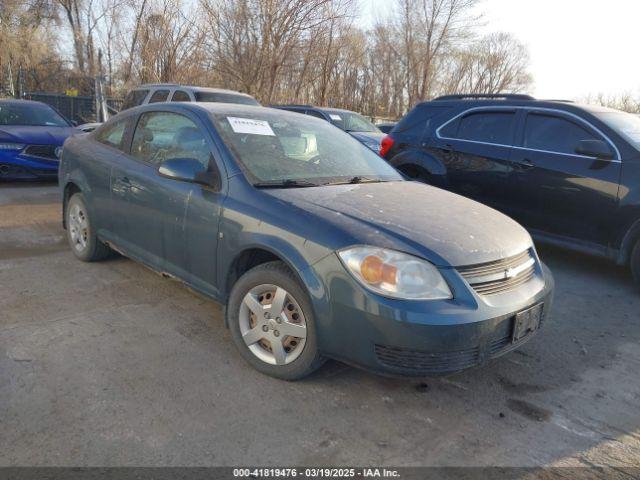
375 271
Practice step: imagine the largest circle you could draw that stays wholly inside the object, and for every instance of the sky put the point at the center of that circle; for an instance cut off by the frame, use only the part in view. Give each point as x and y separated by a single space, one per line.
577 47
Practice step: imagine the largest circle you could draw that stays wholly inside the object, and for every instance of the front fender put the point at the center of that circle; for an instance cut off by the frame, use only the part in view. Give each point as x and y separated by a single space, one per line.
69 179
243 231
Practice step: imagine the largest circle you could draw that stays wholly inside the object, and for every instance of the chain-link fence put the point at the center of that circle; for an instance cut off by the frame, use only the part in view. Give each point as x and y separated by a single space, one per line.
80 109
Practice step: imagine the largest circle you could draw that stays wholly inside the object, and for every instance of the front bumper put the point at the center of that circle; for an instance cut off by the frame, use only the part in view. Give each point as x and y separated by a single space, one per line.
420 338
15 166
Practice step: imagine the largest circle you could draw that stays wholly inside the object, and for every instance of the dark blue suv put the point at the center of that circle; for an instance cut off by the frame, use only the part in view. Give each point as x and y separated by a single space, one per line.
570 173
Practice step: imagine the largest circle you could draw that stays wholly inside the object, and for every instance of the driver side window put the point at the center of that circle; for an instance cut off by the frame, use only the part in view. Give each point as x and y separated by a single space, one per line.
160 136
554 134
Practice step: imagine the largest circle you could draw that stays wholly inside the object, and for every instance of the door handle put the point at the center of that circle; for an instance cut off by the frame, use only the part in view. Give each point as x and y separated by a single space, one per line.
526 164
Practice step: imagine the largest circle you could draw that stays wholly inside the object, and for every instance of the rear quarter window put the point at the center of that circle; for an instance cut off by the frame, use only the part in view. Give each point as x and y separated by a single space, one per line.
420 118
113 134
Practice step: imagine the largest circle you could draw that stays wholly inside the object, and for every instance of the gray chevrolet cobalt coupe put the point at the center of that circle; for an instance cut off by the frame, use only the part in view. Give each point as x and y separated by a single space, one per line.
317 247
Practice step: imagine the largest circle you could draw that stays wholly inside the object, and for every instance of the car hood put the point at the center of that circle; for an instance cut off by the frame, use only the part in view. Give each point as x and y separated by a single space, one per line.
368 137
35 135
445 228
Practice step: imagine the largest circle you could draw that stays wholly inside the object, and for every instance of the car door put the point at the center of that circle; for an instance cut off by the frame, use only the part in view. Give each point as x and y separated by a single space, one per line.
561 192
170 224
111 140
475 149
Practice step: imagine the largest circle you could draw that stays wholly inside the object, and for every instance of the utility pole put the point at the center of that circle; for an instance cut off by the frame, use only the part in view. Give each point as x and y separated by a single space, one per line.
21 91
102 115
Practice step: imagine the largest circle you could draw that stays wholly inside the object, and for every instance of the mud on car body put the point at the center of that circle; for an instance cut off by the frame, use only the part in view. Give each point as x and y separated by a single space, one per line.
314 256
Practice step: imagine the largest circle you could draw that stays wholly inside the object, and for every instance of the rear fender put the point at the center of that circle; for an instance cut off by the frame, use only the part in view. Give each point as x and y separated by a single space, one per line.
425 164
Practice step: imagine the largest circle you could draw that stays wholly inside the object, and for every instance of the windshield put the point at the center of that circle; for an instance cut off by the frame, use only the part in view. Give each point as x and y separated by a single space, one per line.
225 98
277 147
351 122
625 124
30 114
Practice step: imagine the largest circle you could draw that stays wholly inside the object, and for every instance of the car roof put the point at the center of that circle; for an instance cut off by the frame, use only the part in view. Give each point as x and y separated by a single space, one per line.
220 108
192 88
471 102
313 107
234 108
19 101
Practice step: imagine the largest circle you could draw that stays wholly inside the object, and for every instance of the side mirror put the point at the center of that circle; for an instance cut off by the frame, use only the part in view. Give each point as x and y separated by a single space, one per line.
594 148
74 123
189 170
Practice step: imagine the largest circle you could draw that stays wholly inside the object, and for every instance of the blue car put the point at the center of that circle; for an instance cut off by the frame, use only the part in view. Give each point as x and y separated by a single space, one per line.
317 247
31 137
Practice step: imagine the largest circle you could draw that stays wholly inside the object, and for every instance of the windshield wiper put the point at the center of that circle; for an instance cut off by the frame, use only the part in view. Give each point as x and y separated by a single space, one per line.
289 183
355 180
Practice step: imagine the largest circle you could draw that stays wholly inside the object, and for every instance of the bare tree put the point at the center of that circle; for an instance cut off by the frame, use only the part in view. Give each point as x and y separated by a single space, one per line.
496 63
627 102
306 51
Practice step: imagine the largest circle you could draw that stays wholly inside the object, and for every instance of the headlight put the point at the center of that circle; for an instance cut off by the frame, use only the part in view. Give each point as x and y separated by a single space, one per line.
11 146
394 274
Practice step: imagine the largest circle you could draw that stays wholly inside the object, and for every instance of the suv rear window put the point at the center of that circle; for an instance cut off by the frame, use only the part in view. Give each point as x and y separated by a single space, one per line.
134 98
419 118
488 127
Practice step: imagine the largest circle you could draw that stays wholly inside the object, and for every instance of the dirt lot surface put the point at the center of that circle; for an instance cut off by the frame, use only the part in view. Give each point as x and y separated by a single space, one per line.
110 364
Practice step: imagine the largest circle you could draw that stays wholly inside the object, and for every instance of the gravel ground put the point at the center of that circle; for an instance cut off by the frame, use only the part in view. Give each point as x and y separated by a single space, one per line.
109 364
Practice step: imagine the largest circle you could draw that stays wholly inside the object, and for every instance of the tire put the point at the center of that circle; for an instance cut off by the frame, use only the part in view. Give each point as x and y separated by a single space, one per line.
81 233
635 263
255 322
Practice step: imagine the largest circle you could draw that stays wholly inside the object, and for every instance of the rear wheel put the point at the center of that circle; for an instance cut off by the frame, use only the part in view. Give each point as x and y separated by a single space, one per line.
272 323
81 232
635 263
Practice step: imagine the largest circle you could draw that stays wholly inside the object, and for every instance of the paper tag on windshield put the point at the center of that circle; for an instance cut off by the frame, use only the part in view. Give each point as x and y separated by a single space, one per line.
249 125
335 117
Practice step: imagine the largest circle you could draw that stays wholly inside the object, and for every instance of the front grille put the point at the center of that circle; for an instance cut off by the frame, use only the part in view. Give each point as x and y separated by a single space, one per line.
499 342
426 362
47 152
500 276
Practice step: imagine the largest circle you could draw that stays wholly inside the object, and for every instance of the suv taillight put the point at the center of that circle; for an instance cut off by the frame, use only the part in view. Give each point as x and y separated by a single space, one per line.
385 145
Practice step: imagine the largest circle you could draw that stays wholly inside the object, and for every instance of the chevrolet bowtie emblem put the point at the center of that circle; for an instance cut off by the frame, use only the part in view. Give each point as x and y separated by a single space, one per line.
510 273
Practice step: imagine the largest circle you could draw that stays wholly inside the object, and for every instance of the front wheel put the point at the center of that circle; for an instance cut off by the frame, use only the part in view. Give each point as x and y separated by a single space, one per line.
635 263
81 232
272 323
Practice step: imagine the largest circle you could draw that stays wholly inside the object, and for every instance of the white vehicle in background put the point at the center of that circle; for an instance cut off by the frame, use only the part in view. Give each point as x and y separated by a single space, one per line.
172 92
